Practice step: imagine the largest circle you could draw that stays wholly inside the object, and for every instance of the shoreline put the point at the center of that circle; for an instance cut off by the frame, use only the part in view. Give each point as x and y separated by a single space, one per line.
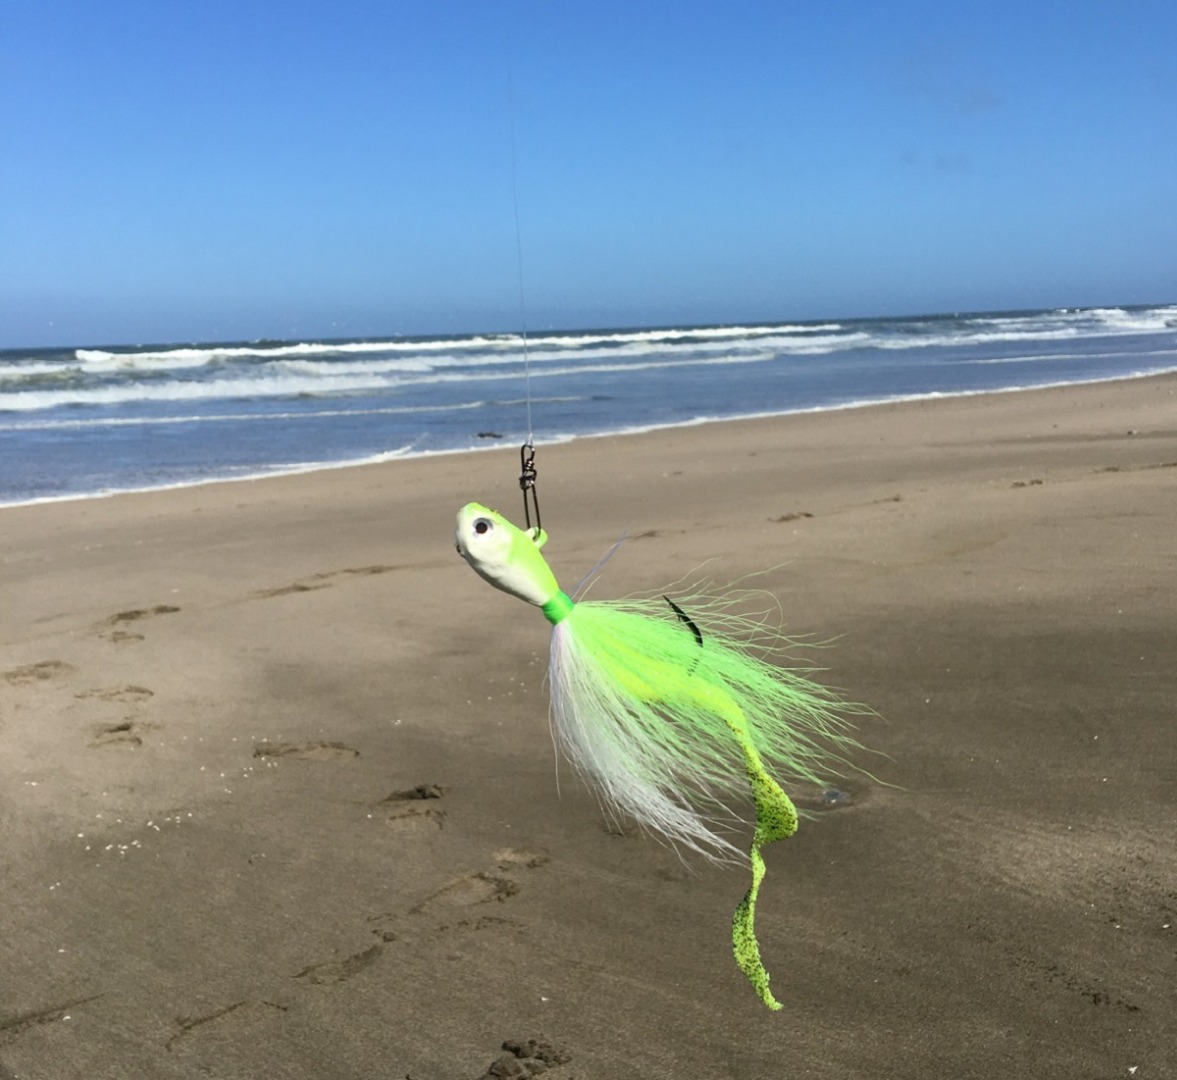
404 454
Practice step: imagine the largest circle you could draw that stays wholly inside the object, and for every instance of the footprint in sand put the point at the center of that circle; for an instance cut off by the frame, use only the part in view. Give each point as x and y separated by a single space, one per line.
312 751
359 571
389 926
112 628
1136 468
196 1025
50 1014
421 791
506 858
525 1057
412 815
478 887
126 733
287 590
126 694
413 807
386 926
795 515
141 613
332 972
321 581
35 673
459 901
482 886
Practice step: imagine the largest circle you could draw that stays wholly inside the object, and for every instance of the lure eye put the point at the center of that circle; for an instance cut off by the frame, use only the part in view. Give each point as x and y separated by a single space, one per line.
482 526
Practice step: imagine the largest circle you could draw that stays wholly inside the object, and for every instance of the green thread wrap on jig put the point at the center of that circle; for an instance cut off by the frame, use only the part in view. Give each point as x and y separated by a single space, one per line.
559 607
669 713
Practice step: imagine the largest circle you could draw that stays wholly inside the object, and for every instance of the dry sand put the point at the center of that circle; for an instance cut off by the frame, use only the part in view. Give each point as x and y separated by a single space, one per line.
219 708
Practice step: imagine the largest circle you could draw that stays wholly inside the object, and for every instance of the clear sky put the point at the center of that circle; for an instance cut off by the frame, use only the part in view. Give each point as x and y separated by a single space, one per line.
252 168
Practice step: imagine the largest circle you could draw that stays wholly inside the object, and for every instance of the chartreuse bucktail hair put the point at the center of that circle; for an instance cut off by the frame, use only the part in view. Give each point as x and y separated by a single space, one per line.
667 711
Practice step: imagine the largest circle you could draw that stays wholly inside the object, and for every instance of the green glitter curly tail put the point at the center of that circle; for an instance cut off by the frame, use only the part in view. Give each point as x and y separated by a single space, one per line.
776 819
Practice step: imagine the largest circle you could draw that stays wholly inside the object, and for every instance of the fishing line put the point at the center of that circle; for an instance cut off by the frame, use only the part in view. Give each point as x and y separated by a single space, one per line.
519 250
527 473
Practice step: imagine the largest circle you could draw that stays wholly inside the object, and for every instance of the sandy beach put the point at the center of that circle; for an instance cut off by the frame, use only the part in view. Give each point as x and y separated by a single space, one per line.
279 800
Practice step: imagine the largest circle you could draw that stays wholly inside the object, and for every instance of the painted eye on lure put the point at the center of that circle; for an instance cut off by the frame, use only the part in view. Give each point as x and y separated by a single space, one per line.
482 526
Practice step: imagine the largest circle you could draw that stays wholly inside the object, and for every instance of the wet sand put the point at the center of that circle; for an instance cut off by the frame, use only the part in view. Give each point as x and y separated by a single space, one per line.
278 795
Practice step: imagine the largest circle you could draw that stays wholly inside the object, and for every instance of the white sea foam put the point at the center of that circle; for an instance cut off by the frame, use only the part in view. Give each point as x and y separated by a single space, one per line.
123 393
396 365
326 384
198 356
61 424
23 369
1136 321
580 370
681 335
1047 357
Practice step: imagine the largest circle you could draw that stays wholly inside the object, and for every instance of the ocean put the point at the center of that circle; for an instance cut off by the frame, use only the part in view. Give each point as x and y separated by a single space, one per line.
84 422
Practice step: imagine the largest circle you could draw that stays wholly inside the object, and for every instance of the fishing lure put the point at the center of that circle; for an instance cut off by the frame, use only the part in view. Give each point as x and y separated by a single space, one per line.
665 719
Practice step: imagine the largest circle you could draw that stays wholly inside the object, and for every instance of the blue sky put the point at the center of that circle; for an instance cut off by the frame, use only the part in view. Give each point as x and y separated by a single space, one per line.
247 168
